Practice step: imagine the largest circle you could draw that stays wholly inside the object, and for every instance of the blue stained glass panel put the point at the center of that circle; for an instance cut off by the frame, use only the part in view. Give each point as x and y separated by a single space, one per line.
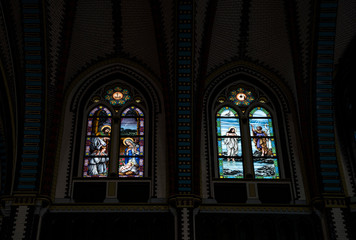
266 168
229 147
131 167
227 125
262 147
259 112
264 123
131 146
230 169
129 126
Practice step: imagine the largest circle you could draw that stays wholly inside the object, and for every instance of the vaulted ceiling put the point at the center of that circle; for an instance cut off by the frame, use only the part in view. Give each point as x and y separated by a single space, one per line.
277 35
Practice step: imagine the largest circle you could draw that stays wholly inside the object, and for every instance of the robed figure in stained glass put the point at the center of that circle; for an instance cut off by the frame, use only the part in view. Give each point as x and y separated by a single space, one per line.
261 141
98 149
131 166
231 143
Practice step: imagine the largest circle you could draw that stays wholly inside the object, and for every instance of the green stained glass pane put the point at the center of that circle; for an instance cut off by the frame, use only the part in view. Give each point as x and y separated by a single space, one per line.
227 112
259 112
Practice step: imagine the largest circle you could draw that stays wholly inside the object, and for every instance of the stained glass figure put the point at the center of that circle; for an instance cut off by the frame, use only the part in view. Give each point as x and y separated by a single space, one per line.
117 96
97 144
131 160
229 143
241 97
263 147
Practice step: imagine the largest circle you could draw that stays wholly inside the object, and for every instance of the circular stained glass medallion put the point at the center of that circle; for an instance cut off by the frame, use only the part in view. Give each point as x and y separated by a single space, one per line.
241 97
117 96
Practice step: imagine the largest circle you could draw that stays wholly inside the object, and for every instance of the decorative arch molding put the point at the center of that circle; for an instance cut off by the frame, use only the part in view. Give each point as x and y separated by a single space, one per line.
262 75
274 87
78 97
102 70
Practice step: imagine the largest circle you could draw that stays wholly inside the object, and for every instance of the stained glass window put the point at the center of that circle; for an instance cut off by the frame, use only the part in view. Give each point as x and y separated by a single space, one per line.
117 96
97 144
132 133
246 144
241 97
229 143
263 144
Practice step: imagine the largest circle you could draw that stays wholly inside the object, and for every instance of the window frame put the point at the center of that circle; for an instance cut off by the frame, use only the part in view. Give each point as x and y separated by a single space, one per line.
115 136
246 143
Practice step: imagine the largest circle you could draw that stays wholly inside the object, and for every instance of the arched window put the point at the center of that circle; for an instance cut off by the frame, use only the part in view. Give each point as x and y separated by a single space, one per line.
229 143
97 144
263 145
245 137
115 138
132 142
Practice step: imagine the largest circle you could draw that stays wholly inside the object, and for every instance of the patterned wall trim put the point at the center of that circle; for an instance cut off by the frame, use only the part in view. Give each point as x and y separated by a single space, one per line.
185 224
109 208
339 223
184 95
324 97
255 209
19 228
33 72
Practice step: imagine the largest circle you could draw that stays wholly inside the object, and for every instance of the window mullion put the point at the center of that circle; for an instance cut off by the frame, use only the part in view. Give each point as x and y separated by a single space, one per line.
114 146
246 146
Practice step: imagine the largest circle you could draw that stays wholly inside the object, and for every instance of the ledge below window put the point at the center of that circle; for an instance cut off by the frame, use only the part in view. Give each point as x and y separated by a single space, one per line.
111 190
253 191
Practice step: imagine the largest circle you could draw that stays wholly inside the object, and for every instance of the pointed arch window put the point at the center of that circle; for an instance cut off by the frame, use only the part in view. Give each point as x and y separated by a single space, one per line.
229 143
245 138
131 142
263 146
115 137
97 144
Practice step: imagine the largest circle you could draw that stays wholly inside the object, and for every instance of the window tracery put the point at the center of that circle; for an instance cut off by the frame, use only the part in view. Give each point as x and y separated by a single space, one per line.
115 138
245 137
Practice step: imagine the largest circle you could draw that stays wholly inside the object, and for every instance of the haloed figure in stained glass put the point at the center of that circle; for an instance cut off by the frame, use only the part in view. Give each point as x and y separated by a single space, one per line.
131 166
99 148
231 144
261 142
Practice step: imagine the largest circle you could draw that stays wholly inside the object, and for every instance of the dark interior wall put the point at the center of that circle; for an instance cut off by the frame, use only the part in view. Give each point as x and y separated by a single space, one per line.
256 226
113 225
